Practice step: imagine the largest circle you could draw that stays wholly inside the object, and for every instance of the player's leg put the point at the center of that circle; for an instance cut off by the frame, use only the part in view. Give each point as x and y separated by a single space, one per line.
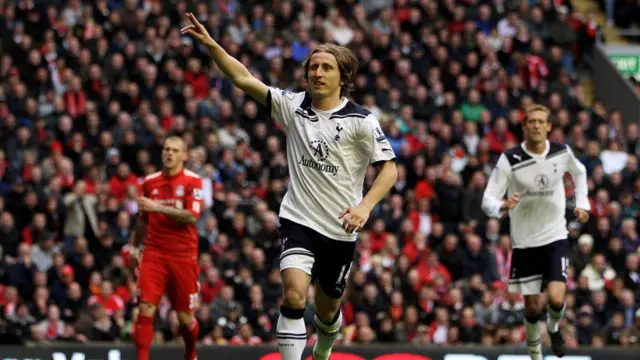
526 279
557 273
296 263
183 293
151 282
333 267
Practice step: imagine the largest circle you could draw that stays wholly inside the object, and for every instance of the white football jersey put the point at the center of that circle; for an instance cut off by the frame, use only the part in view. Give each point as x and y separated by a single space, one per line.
328 153
539 217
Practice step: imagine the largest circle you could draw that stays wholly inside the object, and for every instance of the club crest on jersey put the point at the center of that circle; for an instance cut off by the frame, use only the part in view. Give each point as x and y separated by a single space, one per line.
180 190
380 135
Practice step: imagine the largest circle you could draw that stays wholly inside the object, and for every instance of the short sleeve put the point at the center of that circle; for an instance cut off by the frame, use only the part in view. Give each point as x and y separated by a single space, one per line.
282 104
375 142
194 198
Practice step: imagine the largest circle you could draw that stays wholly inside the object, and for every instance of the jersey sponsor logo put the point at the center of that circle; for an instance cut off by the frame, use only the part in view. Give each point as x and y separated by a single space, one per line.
518 157
197 194
380 135
542 181
320 151
154 192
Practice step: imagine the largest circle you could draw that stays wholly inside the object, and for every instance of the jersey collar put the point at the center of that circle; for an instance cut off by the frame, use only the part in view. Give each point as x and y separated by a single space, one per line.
544 154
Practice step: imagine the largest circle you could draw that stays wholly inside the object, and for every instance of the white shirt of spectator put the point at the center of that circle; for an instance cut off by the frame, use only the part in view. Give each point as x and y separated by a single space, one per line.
328 153
539 217
613 161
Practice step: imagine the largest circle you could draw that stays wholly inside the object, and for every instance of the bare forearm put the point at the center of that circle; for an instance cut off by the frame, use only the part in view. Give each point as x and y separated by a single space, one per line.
230 67
139 233
384 182
183 216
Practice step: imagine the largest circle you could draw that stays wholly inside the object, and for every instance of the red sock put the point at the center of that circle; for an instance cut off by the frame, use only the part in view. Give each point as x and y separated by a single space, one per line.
143 335
190 336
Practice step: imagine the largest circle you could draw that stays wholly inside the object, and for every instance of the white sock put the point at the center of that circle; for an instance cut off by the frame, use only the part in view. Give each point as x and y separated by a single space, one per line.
534 340
327 335
291 333
554 317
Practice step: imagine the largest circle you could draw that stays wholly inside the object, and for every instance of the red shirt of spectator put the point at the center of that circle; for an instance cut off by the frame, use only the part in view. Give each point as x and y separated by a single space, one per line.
211 287
197 79
120 181
431 268
75 99
378 236
535 70
111 302
416 248
500 136
245 337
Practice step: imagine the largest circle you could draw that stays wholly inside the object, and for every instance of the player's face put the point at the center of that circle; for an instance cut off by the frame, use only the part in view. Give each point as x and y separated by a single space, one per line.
537 126
324 75
174 154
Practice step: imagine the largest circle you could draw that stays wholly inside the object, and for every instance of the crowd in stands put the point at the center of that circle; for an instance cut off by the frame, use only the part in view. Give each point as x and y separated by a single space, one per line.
89 90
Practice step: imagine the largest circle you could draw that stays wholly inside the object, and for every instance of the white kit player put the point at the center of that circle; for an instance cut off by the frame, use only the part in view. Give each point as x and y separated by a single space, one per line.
533 175
330 143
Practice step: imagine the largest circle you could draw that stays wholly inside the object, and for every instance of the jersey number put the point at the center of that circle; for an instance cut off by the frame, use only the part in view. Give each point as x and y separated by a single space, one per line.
344 274
565 267
195 206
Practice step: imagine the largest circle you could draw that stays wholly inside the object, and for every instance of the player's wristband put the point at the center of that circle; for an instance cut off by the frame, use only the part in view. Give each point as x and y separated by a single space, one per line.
135 251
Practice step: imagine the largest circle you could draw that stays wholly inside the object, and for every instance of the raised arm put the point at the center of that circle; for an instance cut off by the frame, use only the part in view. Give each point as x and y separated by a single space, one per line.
230 67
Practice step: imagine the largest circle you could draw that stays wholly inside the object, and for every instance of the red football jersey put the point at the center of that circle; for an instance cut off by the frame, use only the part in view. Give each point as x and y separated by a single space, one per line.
166 236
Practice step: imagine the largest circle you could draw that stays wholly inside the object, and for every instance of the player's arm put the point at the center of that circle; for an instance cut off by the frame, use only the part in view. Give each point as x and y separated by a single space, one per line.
382 155
492 203
139 233
384 182
579 174
230 67
180 215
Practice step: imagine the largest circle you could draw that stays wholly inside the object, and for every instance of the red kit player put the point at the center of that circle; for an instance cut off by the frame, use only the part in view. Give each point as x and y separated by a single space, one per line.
169 209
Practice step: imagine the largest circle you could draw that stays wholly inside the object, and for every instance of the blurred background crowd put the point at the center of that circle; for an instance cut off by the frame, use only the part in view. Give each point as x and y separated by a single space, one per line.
89 90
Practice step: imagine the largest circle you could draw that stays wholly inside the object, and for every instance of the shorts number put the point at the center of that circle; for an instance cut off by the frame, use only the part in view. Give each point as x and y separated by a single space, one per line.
195 207
344 274
193 301
565 267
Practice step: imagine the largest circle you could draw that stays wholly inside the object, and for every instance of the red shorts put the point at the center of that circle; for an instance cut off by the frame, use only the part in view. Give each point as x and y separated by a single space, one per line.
179 279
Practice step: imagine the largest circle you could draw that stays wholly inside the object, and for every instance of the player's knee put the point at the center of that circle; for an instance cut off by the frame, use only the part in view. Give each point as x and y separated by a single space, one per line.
556 293
185 318
147 309
295 298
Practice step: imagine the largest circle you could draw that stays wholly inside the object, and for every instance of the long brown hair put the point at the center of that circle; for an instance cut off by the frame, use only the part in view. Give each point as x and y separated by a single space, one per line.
347 64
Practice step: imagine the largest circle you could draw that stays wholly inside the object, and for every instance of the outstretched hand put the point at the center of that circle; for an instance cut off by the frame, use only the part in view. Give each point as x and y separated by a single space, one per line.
197 30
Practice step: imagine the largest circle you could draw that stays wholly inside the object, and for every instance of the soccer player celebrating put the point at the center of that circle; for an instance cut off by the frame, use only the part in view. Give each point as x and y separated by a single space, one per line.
330 143
169 209
533 174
